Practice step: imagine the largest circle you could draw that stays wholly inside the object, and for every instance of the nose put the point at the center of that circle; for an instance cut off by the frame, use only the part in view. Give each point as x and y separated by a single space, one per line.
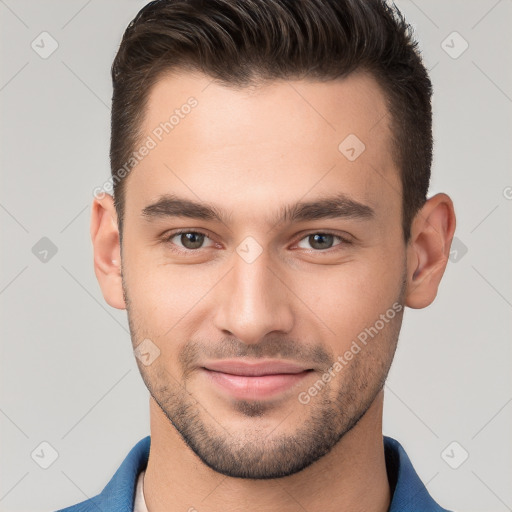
254 300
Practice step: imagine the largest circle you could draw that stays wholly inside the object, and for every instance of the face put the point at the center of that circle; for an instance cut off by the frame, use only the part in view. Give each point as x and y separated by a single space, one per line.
289 249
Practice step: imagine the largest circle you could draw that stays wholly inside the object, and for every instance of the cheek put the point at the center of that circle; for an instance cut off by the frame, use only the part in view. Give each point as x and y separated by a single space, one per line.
162 296
352 297
161 301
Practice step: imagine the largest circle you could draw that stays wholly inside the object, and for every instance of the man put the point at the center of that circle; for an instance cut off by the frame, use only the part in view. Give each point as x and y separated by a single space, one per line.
269 224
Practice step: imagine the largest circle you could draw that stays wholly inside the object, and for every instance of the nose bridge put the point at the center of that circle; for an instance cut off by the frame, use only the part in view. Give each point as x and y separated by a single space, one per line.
254 301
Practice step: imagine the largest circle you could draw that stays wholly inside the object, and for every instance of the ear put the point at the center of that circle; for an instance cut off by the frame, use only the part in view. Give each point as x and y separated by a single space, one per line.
107 250
428 250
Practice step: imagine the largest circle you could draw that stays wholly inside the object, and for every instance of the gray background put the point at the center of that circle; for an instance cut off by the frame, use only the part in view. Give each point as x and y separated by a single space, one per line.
68 376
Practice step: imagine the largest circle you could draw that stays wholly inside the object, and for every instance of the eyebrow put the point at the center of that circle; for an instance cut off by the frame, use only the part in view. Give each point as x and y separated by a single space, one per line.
331 207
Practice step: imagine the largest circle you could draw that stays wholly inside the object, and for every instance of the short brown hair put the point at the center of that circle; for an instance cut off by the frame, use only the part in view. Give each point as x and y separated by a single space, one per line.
242 42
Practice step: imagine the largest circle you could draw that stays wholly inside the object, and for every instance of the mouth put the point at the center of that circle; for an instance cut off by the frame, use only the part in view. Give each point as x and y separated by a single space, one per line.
255 368
255 381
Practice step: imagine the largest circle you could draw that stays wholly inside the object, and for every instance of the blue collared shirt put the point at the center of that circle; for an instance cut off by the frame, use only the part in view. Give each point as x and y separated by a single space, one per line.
408 492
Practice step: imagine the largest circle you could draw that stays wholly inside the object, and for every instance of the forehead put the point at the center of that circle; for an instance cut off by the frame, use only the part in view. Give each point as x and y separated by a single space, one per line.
277 142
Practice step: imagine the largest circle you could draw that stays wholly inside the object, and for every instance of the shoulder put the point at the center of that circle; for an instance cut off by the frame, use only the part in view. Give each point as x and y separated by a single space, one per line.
408 491
118 494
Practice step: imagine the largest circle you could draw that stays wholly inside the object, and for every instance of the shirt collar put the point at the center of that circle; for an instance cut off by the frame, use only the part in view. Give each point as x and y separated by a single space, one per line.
407 490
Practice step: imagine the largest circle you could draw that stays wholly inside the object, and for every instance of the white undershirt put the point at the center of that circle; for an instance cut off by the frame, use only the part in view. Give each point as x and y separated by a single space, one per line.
140 503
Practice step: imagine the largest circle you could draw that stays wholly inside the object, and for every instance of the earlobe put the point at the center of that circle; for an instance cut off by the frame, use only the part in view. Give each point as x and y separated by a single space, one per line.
428 250
107 250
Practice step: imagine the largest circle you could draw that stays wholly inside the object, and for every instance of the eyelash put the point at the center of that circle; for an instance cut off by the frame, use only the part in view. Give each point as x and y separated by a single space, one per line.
169 237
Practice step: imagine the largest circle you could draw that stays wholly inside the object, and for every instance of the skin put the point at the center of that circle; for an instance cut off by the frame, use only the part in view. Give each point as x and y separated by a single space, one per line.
250 152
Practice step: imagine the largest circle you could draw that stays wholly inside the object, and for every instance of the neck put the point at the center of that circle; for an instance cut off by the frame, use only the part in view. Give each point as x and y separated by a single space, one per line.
351 477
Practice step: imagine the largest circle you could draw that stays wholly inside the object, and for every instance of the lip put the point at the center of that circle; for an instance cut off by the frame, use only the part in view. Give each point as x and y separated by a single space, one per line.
255 381
255 368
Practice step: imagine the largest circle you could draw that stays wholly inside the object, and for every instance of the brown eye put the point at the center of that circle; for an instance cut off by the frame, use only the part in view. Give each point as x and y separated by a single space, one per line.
192 240
187 240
